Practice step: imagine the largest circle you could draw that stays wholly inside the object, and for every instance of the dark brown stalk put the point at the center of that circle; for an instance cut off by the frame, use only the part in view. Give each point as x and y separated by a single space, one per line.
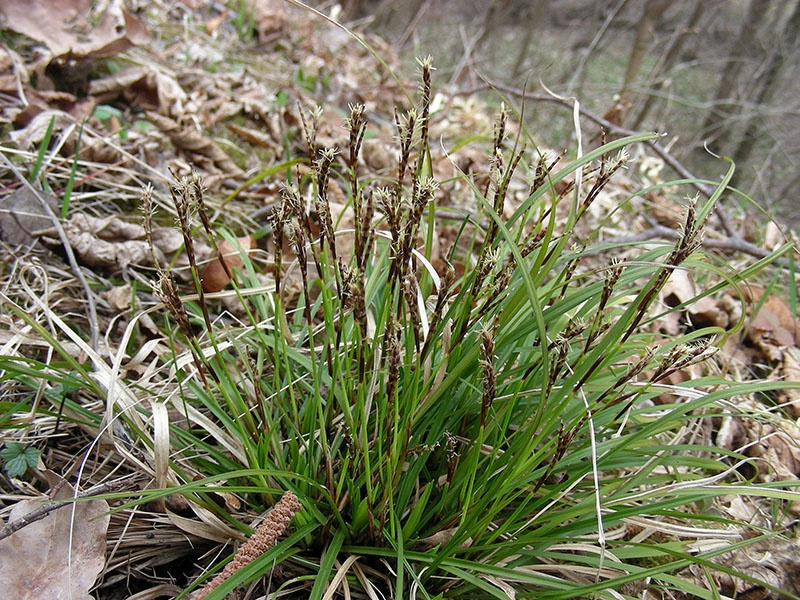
279 217
147 221
680 357
405 129
542 171
568 273
612 276
448 280
689 241
182 198
423 193
561 347
632 372
259 396
298 240
496 165
321 173
489 382
600 182
167 292
310 128
357 127
409 288
561 449
425 91
197 194
364 231
453 455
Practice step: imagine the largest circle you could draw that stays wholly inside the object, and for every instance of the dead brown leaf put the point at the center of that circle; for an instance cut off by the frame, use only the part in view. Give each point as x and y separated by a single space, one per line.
253 136
36 128
764 436
790 371
442 537
93 147
13 74
772 327
78 28
193 141
681 288
213 23
119 297
774 561
59 556
22 216
111 243
145 87
214 277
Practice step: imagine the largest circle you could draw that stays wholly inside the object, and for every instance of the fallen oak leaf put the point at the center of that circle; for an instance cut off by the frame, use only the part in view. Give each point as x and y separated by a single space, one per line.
781 317
78 28
192 140
215 276
112 243
145 86
768 334
42 560
790 371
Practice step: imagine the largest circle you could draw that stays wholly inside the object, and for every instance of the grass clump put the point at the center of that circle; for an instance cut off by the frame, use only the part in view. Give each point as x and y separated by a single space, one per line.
479 430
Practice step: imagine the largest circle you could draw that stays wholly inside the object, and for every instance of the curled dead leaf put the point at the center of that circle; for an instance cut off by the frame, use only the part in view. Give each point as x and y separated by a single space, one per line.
78 28
192 140
145 86
119 297
681 288
112 243
442 537
214 277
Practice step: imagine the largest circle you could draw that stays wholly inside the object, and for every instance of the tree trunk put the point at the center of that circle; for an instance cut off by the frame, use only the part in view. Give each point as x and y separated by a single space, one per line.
578 75
653 9
641 42
670 56
723 101
533 21
766 84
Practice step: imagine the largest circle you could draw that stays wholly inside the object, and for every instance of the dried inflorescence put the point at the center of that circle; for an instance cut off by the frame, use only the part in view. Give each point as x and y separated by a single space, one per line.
265 537
489 382
167 291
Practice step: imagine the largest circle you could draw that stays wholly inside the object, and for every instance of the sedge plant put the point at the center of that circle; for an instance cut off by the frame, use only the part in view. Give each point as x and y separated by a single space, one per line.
459 434
479 428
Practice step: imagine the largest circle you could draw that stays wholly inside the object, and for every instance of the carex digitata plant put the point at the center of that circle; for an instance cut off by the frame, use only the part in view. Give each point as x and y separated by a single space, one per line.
478 430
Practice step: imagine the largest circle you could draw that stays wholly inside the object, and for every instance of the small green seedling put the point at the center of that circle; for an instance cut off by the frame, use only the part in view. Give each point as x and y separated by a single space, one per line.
17 458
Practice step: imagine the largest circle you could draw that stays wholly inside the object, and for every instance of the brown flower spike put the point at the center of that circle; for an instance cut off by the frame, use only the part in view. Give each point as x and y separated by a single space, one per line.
264 538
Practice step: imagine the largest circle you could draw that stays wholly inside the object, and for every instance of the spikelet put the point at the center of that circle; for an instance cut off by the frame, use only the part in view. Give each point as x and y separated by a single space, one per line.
265 537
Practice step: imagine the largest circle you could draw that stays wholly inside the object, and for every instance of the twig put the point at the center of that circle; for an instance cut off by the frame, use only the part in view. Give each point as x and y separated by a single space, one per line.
733 242
578 75
41 512
73 263
736 244
660 231
412 26
668 158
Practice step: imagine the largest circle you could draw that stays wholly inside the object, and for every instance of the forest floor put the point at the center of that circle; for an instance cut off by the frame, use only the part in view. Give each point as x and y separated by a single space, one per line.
191 88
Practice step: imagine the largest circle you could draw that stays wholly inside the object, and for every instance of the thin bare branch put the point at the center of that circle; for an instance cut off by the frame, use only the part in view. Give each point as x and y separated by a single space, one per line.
73 263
